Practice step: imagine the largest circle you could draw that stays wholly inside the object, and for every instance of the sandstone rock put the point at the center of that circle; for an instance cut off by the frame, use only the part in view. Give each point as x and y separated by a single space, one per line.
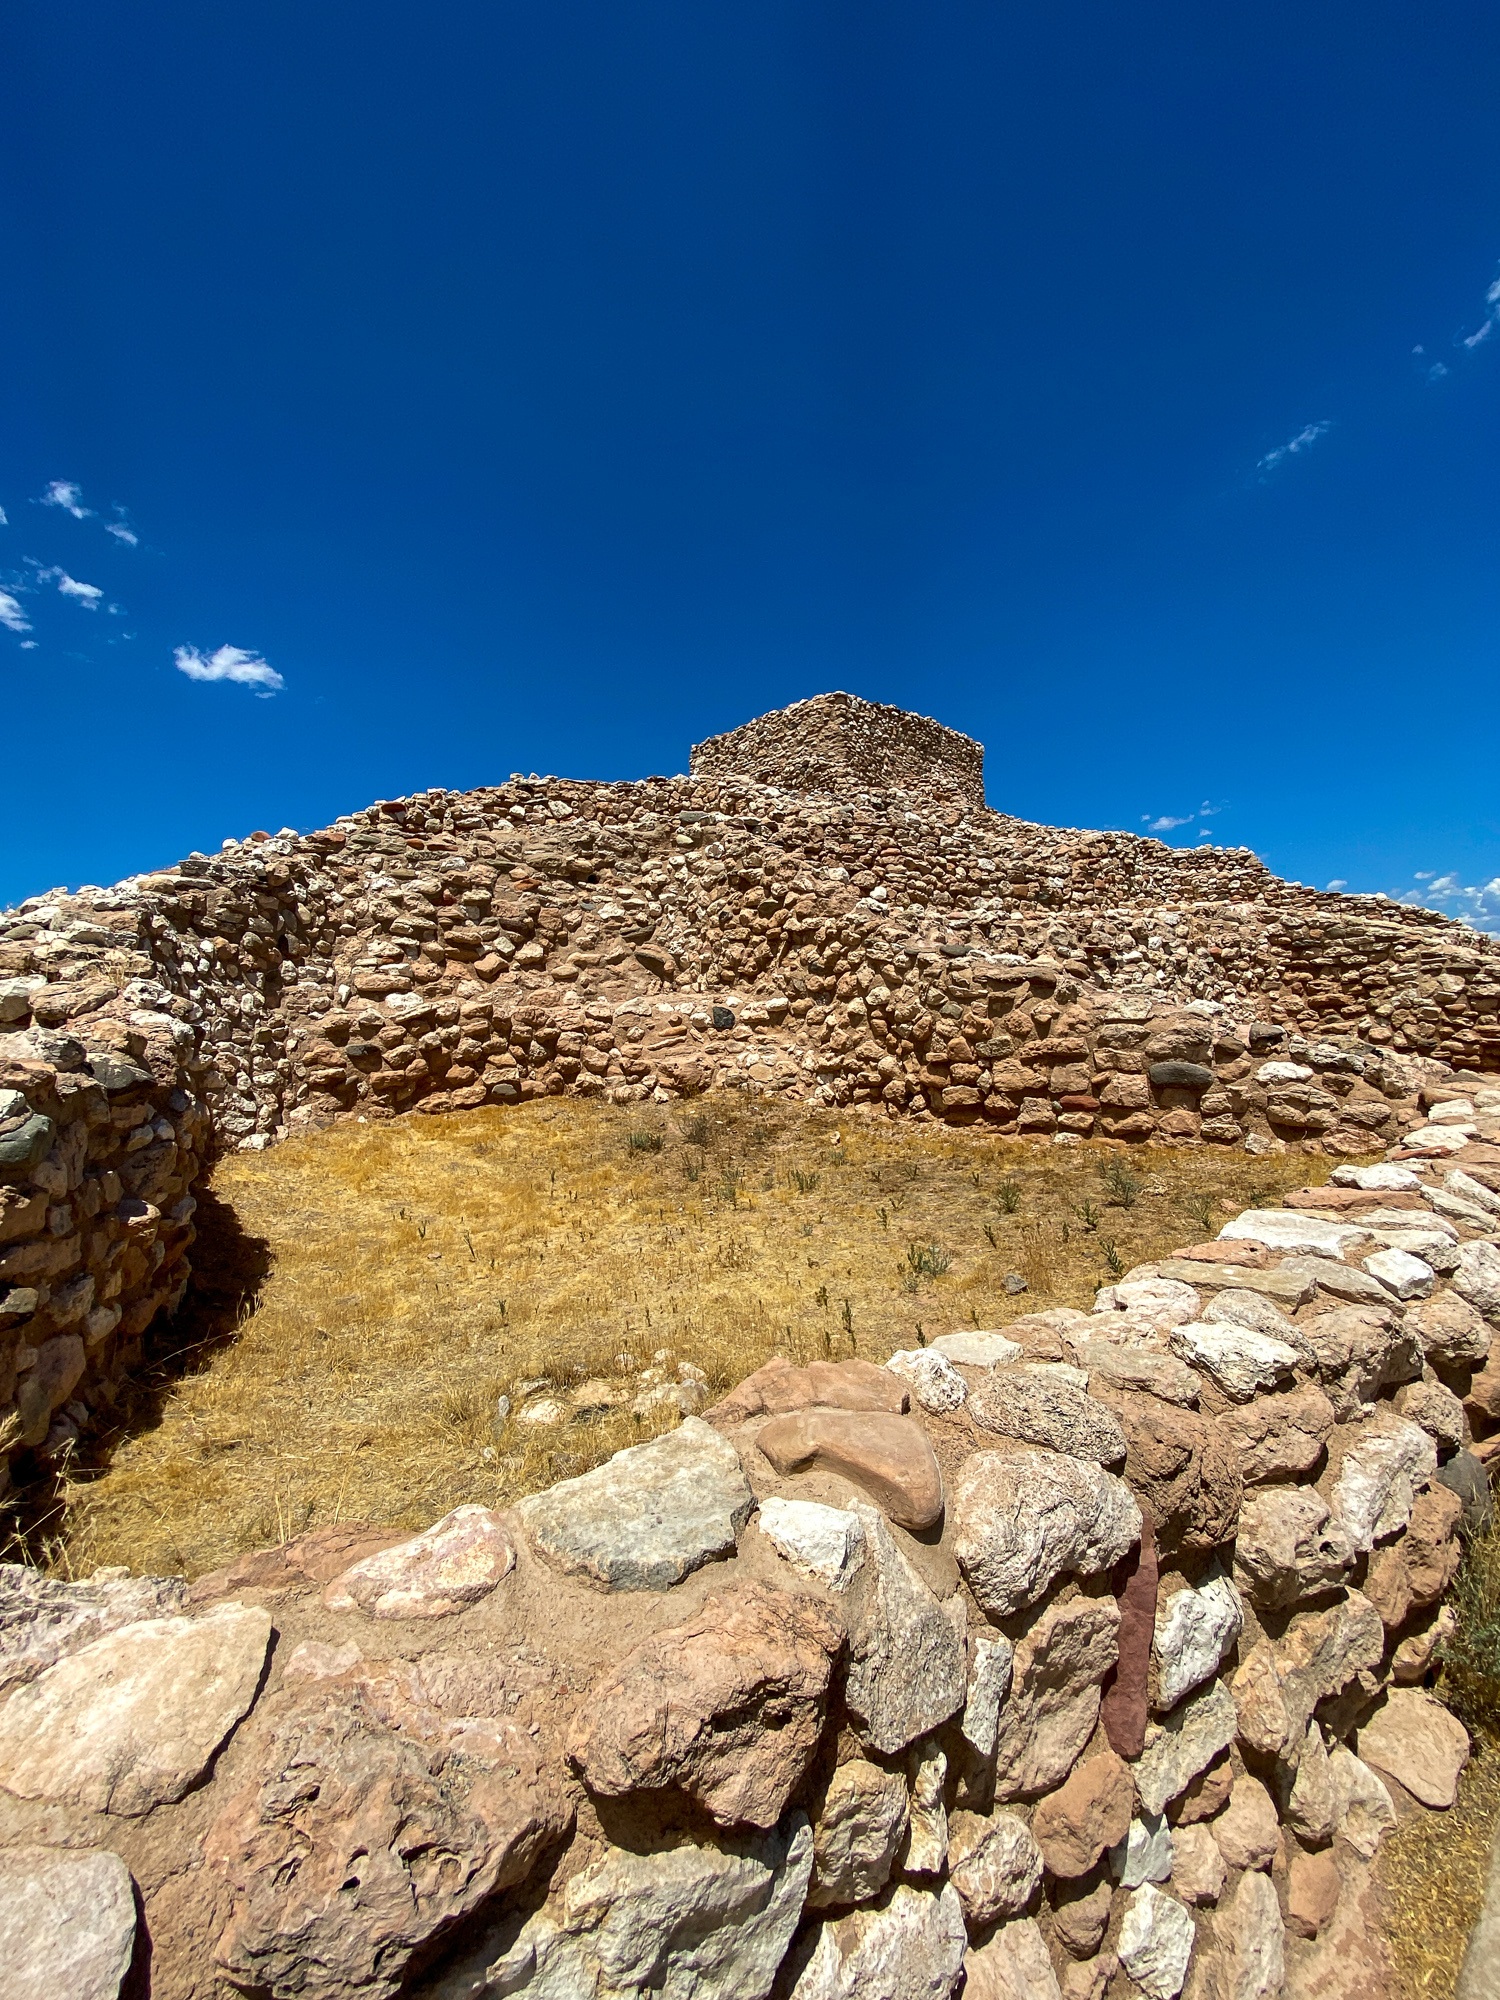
1361 1350
1403 1275
1156 1942
1312 1893
1145 1854
365 1828
927 1815
908 1946
1340 1281
1090 1979
1185 1471
1187 1742
1023 1517
1319 1652
907 1667
991 1661
42 1618
778 1388
1248 1831
726 1708
1363 1811
648 1517
1289 1546
857 1833
994 1864
1054 1699
1451 1332
1080 1915
1011 1965
132 1720
1125 1707
1252 1939
1088 1814
1477 1278
827 1543
1429 1546
1198 1873
452 1564
1139 1369
931 1376
688 1923
888 1457
1382 1177
1415 1740
1373 1495
1194 1631
1239 1360
1205 1796
1309 1805
1437 1410
67 1923
978 1350
1290 1230
1280 1437
1037 1411
1418 1650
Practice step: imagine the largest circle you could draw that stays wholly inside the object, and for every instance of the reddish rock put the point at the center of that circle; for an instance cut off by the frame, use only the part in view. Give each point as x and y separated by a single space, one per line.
314 1558
1430 1545
1124 1708
726 1708
1085 1816
1313 1888
888 1456
1183 1467
778 1388
1246 1256
1205 1796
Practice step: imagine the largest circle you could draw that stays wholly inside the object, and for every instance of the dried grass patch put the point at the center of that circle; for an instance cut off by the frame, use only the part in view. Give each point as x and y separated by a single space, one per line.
367 1294
1432 1875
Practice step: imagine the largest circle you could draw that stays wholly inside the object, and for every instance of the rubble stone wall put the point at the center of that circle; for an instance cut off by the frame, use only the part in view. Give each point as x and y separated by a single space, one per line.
1088 1658
836 741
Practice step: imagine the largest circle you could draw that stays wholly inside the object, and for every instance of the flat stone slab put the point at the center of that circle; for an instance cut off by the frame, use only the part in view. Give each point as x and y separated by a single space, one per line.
132 1720
42 1619
888 1456
1423 1747
1286 1287
67 1923
978 1350
650 1516
1289 1229
448 1566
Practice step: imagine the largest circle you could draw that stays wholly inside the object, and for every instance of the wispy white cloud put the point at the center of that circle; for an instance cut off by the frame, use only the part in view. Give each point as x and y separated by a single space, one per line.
88 594
1486 327
1338 882
4 518
1167 821
68 495
12 617
122 534
1305 439
1473 903
228 663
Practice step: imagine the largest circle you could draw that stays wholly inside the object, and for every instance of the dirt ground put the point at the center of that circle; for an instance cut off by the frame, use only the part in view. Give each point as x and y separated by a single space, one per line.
366 1296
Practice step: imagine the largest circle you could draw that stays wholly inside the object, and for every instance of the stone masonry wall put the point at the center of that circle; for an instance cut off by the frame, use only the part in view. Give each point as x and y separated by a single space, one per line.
835 741
1091 1658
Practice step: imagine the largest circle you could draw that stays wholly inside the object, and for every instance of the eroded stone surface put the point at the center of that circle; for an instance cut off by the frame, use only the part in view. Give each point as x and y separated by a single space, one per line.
1023 1517
1025 1404
1012 1965
1156 1941
1416 1741
1054 1698
650 1516
1088 1814
1194 1632
779 1387
827 1543
43 1618
1248 1831
857 1833
67 1923
888 1457
131 1720
1281 1437
907 1666
908 1946
447 1567
1252 1940
994 1863
931 1377
1187 1743
1241 1361
1289 1546
1373 1495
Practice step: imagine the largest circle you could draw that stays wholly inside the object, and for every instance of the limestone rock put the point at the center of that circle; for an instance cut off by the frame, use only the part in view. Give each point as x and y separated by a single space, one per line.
931 1377
366 1828
67 1923
1252 1938
1241 1361
1198 1872
1280 1437
1377 1480
887 1456
1194 1632
1437 1410
1156 1942
1145 1854
991 1661
132 1720
1188 1741
1363 1811
1418 1650
1027 1406
1309 1806
1413 1738
452 1564
778 1388
1312 1893
1054 1698
1291 1230
688 1923
927 1815
726 1708
1403 1275
1011 1965
1025 1516
1254 1310
906 1674
978 1350
1089 1980
1248 1831
1289 1546
1451 1332
827 1543
994 1864
1167 1301
650 1515
42 1618
1477 1278
1088 1814
857 1833
908 1946
1141 1370
1361 1350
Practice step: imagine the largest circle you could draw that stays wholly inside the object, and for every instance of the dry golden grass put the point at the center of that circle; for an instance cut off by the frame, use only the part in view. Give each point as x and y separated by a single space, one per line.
366 1295
1432 1879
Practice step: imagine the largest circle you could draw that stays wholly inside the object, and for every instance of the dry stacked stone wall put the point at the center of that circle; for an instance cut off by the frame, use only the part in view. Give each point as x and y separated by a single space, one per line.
1086 1659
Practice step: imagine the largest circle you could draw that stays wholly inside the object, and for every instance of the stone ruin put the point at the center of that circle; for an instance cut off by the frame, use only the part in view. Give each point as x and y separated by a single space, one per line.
1089 1658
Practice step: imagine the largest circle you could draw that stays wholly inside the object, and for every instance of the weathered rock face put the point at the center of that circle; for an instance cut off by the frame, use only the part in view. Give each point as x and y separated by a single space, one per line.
1087 1814
67 1923
857 1833
909 1945
887 1457
727 1709
1054 1696
453 1563
907 1670
1024 1517
42 1619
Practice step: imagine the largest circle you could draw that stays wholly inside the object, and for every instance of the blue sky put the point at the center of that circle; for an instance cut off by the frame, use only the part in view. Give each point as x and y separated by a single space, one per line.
433 393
